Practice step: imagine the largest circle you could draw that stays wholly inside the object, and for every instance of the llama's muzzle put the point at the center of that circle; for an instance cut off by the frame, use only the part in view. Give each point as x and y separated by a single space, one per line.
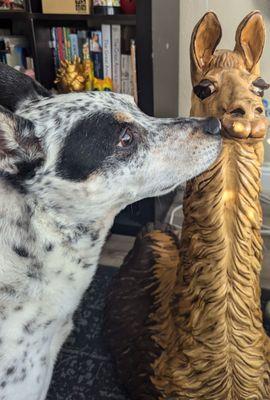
241 128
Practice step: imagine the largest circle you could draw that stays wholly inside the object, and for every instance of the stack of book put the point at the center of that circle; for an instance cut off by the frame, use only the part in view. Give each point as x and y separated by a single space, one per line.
112 50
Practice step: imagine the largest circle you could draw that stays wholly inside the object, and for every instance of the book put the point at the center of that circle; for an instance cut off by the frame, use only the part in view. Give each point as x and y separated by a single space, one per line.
133 69
60 44
66 33
107 51
53 45
74 45
14 50
86 50
116 58
96 53
83 44
126 74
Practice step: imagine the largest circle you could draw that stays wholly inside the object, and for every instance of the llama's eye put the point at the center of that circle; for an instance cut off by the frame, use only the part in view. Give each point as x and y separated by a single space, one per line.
259 86
205 89
126 138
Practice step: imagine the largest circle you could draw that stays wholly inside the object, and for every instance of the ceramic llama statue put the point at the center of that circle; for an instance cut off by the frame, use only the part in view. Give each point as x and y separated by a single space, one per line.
189 327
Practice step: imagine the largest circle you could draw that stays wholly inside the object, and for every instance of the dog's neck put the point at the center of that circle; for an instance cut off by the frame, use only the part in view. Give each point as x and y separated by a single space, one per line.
56 223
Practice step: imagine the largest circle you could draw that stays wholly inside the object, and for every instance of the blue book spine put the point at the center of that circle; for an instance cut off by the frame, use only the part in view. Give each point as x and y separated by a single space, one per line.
98 65
74 45
96 51
55 48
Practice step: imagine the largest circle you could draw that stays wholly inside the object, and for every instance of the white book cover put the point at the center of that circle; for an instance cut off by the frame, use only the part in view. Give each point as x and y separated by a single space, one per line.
107 51
125 74
116 58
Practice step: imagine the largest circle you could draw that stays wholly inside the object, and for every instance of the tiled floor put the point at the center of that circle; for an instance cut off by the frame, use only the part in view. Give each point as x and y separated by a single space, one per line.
115 249
118 246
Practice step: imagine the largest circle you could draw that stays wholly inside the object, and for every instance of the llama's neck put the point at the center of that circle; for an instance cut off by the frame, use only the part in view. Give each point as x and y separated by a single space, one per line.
218 313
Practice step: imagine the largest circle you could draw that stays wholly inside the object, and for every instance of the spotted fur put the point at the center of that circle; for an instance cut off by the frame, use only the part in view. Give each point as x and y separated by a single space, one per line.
63 178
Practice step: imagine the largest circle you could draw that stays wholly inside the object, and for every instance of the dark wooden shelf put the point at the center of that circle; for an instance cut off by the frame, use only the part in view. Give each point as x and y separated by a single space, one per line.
98 19
13 15
120 19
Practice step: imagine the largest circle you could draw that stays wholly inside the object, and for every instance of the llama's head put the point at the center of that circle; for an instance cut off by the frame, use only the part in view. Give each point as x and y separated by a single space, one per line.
227 84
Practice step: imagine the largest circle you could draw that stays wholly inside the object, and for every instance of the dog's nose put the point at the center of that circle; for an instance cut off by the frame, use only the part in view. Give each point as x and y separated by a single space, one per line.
212 126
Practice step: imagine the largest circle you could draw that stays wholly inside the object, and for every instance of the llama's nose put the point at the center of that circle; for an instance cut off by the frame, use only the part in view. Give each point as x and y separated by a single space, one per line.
237 112
212 126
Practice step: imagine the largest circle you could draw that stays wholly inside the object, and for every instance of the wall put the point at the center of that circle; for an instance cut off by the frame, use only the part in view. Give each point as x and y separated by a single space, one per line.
230 13
165 22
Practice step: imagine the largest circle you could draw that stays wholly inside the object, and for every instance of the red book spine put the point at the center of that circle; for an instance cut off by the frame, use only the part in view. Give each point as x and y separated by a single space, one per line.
60 43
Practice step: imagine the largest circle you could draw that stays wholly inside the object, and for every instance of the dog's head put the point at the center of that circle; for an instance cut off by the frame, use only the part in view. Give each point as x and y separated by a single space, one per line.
96 149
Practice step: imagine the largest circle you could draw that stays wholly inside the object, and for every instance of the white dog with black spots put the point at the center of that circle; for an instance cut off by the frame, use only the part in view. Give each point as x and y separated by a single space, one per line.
68 165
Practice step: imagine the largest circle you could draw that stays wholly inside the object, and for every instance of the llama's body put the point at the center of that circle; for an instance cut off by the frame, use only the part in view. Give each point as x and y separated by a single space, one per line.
199 314
222 349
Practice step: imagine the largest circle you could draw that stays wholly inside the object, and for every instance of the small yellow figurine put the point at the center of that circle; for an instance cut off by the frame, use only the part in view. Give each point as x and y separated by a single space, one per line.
103 84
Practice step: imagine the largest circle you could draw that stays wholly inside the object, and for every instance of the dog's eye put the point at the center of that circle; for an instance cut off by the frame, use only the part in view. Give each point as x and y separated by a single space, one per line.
205 89
259 86
126 138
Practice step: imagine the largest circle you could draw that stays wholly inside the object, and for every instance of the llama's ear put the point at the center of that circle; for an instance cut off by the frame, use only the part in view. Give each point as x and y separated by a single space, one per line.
20 150
17 88
205 38
250 39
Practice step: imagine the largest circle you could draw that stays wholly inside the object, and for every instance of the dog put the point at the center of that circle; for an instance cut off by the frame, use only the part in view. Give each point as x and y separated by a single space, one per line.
68 164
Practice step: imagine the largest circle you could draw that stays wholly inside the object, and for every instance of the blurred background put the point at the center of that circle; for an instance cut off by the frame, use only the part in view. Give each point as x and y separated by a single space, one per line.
172 27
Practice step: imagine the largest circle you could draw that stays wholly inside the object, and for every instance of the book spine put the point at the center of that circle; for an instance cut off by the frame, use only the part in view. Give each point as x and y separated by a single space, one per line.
116 58
74 45
98 67
86 50
82 39
66 33
60 44
133 71
96 53
107 51
125 74
54 49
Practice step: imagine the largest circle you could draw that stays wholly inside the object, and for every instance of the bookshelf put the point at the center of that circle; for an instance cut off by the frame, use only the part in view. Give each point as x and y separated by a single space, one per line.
35 25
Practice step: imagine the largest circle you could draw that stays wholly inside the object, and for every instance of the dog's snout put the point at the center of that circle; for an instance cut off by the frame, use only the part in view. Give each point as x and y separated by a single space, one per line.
212 126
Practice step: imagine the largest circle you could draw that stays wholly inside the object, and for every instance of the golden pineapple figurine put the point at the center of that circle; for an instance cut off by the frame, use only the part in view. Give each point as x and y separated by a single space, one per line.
77 76
71 76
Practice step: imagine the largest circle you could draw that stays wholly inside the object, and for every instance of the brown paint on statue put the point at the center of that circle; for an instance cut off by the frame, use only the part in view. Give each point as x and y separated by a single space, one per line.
191 328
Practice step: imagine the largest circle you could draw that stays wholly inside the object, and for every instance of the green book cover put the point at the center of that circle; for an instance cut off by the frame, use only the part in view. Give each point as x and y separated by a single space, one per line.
67 43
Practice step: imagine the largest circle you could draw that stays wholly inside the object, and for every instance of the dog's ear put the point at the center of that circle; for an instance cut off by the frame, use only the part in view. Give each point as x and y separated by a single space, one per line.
20 150
205 38
250 39
17 88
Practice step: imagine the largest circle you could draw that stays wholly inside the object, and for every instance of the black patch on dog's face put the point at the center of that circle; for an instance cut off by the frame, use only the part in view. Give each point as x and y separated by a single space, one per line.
90 142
